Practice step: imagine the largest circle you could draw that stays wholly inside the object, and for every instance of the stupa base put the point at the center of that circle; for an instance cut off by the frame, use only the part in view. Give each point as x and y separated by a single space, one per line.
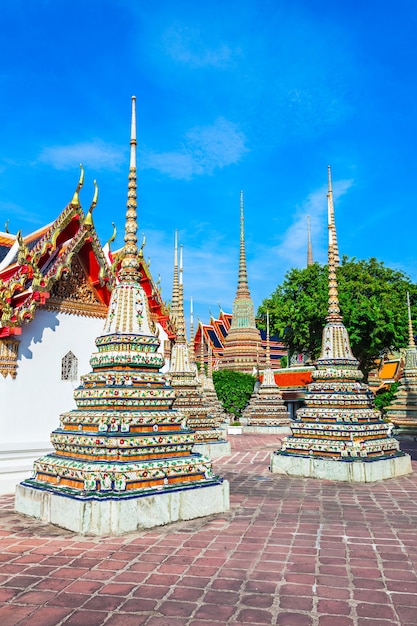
405 432
267 430
117 516
213 449
346 471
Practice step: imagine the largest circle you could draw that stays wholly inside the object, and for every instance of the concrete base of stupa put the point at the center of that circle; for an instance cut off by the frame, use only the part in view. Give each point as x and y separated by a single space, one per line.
213 449
117 516
353 471
267 430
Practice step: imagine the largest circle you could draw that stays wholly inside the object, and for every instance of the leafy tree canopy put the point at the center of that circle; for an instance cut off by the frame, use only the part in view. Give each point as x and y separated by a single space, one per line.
373 303
233 390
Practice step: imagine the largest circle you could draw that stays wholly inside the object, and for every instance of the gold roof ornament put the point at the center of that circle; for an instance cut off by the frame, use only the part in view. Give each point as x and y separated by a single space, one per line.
88 221
76 198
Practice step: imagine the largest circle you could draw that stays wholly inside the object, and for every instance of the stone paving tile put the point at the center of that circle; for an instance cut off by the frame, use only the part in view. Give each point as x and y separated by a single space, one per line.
289 552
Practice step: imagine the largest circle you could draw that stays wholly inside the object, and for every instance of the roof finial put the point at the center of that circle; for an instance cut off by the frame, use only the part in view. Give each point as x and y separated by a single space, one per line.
88 222
242 287
309 248
333 308
75 198
113 237
411 342
331 218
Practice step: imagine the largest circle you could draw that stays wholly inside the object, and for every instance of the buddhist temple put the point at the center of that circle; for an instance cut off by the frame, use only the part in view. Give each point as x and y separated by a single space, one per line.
55 288
402 411
266 411
123 458
339 435
189 399
241 346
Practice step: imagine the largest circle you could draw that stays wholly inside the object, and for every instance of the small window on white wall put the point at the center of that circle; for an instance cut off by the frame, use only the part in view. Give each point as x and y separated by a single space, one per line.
69 367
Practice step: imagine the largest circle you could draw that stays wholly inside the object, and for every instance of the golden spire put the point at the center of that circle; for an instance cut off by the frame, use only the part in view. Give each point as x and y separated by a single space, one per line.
242 287
333 308
309 248
180 321
411 342
75 198
191 342
175 289
331 216
130 262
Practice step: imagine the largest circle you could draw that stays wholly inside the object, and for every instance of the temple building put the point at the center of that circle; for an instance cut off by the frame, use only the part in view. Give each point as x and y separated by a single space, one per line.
182 377
266 412
123 458
55 288
339 435
241 345
402 411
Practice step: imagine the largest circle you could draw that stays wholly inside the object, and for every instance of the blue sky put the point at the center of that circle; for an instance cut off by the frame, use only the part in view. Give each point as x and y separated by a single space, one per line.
255 95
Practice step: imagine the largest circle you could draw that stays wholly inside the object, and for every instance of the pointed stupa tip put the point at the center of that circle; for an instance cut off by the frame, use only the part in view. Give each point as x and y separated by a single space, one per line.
130 266
268 344
333 308
76 198
411 342
332 222
243 275
309 248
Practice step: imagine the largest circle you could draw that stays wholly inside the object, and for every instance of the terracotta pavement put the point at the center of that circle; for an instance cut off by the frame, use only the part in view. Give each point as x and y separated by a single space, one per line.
290 552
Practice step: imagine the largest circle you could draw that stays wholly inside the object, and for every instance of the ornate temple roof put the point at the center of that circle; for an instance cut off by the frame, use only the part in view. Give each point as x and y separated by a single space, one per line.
35 263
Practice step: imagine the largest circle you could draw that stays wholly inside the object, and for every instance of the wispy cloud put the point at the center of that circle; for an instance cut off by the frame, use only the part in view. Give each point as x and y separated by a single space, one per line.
95 154
13 214
185 44
204 149
292 250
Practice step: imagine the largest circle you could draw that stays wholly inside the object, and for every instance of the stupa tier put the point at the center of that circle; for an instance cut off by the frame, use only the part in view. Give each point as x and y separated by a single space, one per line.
210 397
266 411
339 435
242 343
123 458
209 439
402 411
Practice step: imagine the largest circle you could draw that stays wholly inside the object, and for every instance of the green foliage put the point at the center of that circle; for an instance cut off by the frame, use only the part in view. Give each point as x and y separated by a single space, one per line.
384 397
233 390
372 302
284 361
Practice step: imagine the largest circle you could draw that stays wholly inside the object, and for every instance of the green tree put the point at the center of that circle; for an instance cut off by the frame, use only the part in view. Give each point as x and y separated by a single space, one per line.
372 302
233 390
384 397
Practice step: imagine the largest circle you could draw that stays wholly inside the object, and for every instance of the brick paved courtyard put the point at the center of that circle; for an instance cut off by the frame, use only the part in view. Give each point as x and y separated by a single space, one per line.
290 552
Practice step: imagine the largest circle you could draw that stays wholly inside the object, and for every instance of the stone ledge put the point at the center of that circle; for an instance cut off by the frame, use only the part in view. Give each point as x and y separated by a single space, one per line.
117 517
267 430
347 471
213 450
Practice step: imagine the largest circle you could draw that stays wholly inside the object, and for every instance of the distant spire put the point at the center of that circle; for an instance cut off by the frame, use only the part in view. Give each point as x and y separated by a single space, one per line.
210 363
242 287
175 285
309 248
330 206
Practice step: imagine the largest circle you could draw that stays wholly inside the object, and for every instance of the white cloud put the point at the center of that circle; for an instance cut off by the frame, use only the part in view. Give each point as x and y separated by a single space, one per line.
95 154
293 247
185 45
204 149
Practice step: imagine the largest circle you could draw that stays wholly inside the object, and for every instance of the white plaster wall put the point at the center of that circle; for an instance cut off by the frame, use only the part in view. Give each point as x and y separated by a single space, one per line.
31 403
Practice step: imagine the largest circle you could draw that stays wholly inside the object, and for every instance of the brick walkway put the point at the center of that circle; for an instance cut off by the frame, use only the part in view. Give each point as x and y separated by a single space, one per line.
290 552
